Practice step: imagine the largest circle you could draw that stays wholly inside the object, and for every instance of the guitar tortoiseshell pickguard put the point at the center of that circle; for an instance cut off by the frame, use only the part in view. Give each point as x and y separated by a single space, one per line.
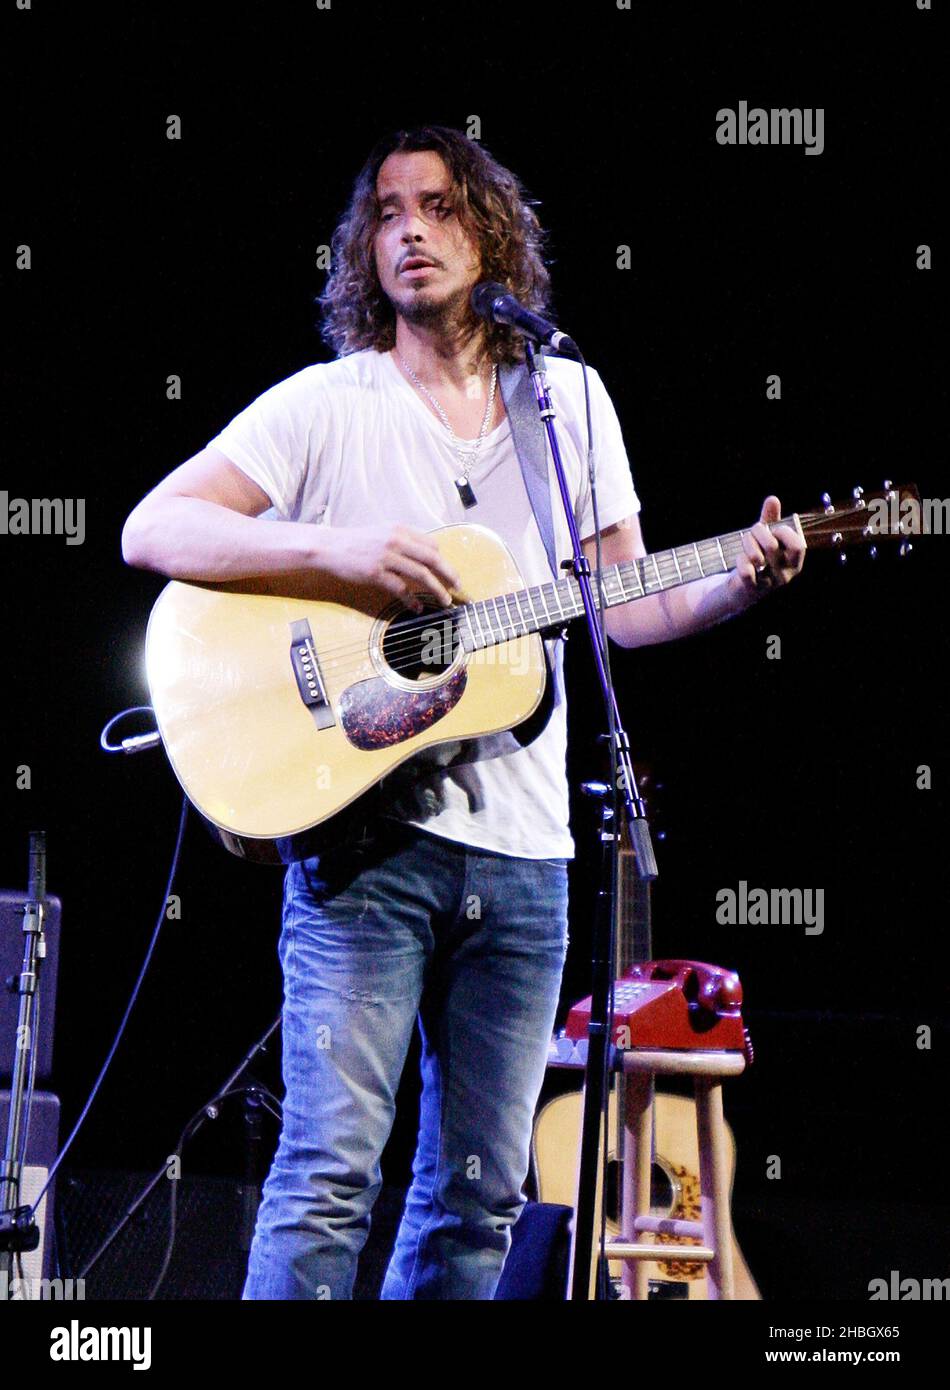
687 1209
374 714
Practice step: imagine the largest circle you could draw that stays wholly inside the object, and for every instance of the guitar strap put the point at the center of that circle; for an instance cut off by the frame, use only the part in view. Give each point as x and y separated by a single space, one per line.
531 446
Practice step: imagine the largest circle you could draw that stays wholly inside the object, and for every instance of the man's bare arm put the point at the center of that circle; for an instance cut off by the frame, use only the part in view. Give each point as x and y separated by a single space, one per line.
200 523
203 522
693 607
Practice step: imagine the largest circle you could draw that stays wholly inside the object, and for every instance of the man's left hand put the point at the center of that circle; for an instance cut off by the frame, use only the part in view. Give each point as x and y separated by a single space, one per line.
771 557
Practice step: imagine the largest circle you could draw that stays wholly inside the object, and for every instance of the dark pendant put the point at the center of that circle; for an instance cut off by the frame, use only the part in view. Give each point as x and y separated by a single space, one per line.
465 492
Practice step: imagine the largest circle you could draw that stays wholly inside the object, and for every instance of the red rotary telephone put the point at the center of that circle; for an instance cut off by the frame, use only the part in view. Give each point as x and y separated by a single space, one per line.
684 1004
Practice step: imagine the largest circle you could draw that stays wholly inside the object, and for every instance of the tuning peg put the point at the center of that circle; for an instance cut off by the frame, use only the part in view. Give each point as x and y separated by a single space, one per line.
843 557
887 484
904 548
836 538
858 495
873 552
826 502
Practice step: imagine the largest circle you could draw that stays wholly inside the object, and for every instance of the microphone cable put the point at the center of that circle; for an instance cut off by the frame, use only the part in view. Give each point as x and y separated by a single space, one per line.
136 988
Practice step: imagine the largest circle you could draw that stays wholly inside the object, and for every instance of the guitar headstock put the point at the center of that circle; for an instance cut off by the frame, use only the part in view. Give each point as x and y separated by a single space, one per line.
865 518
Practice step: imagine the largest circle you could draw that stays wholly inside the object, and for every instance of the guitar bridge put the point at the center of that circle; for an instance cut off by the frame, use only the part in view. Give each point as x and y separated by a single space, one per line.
306 668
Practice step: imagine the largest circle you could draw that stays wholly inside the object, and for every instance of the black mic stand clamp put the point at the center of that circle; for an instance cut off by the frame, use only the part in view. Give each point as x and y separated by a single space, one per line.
626 800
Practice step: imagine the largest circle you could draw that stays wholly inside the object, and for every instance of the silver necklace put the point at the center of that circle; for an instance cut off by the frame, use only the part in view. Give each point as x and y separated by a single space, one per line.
462 484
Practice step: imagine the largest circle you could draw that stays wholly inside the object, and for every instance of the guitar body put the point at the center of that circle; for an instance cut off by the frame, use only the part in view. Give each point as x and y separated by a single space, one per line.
229 685
675 1183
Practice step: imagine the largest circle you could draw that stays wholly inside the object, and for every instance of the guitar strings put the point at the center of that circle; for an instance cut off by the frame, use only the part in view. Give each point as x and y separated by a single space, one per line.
411 626
404 644
412 629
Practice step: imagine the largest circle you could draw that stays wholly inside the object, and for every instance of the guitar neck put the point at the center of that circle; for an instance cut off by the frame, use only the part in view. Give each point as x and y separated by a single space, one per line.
544 607
634 936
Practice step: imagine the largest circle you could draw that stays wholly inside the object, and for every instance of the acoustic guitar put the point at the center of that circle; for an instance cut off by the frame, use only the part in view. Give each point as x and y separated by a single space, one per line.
278 708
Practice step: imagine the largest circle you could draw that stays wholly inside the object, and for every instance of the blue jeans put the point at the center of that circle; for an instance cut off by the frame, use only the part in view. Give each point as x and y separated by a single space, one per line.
397 925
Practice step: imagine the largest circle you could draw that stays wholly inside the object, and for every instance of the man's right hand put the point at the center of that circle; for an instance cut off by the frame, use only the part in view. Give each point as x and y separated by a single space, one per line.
396 558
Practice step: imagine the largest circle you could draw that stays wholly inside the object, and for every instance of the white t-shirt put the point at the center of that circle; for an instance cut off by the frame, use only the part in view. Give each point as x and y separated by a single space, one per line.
352 443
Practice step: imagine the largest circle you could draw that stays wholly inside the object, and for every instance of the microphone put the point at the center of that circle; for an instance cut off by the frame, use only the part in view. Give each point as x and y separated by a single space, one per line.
493 302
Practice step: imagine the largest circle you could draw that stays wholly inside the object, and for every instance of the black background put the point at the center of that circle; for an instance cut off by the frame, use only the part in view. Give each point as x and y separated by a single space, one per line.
197 257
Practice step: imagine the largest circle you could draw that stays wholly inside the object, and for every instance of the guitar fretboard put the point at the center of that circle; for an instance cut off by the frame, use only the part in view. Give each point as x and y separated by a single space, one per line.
489 621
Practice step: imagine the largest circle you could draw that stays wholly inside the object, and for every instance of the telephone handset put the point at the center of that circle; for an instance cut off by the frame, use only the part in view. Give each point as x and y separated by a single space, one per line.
709 987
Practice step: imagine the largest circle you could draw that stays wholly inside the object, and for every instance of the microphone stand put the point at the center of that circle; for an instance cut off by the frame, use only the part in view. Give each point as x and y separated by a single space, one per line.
19 1231
601 1054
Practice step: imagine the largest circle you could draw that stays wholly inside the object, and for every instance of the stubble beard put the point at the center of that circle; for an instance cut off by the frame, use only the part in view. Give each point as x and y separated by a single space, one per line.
449 316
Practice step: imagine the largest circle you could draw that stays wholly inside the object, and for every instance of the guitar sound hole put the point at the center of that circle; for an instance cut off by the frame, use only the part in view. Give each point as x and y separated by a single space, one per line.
662 1193
420 648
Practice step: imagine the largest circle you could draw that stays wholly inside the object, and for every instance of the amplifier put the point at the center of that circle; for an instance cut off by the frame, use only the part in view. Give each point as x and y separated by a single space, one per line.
41 1148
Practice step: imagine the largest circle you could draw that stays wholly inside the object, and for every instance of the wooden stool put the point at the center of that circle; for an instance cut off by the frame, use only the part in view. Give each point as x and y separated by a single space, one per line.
640 1066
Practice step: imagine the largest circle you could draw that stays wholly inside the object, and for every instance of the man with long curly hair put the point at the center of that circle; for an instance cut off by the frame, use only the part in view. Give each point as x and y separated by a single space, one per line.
447 900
